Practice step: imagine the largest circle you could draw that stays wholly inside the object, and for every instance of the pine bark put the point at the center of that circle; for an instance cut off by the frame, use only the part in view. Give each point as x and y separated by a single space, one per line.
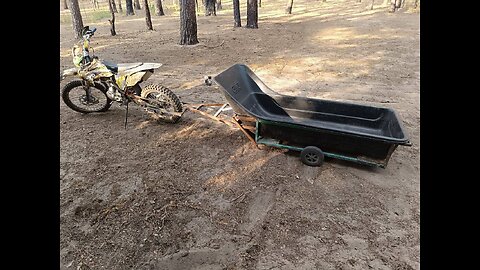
210 8
129 7
137 4
112 21
252 14
148 17
188 23
77 22
120 6
392 6
159 8
289 7
395 5
114 6
236 13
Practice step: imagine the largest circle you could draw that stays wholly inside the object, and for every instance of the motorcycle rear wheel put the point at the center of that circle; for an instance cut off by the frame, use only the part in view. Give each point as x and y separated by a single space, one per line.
97 101
165 99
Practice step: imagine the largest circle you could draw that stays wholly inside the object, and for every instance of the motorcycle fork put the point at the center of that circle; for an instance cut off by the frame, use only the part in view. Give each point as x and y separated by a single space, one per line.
88 92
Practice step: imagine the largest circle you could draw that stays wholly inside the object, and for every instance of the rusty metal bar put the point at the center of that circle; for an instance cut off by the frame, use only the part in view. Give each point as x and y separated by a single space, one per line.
245 118
245 132
249 128
232 123
220 110
198 105
212 117
144 102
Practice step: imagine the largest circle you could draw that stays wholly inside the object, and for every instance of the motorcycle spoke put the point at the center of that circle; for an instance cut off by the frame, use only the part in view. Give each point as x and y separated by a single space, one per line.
159 108
90 99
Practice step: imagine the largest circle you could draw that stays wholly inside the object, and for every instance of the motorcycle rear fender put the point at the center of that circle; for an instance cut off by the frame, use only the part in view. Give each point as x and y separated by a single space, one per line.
138 77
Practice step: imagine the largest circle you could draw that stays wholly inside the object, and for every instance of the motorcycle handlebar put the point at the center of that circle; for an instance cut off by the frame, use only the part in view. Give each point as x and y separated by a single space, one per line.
87 34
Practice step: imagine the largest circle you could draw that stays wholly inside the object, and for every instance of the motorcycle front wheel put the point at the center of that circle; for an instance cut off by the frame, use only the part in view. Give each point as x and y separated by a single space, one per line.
86 99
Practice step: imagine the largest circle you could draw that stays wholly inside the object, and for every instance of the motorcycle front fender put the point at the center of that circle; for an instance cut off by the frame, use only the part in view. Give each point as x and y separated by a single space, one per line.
68 72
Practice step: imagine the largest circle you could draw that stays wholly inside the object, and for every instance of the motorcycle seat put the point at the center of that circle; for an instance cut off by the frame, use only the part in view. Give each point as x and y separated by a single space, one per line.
124 68
120 68
111 66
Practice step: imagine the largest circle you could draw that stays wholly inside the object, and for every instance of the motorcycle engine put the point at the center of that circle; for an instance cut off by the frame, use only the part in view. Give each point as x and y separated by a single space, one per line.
113 94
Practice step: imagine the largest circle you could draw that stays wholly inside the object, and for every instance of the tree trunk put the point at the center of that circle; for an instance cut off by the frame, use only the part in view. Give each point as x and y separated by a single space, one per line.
236 13
114 6
95 4
77 22
148 18
252 14
415 5
65 5
112 21
188 23
137 4
219 5
129 5
210 8
120 6
371 7
260 3
159 8
395 5
392 6
359 1
398 4
289 7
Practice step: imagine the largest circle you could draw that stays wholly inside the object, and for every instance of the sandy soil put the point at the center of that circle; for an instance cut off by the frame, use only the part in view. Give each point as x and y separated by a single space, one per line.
198 195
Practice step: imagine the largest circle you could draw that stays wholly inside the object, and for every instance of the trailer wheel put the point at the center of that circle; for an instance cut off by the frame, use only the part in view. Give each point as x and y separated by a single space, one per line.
312 156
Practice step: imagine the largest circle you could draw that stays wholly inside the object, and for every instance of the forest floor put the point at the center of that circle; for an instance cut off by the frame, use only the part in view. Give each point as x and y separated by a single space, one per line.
198 195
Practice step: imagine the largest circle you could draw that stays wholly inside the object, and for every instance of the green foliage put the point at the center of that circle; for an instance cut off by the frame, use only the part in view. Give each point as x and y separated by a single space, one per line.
88 16
175 9
99 15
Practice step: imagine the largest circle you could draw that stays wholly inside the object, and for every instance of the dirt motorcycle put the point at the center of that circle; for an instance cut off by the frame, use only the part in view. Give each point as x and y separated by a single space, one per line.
101 83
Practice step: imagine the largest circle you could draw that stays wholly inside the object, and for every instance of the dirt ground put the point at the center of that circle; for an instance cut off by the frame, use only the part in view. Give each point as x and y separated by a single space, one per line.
198 195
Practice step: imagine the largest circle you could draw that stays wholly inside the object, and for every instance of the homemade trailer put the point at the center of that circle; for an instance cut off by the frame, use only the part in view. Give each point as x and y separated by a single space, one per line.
316 128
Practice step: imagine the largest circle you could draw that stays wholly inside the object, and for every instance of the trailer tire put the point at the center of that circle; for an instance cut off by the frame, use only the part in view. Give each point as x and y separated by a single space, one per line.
312 156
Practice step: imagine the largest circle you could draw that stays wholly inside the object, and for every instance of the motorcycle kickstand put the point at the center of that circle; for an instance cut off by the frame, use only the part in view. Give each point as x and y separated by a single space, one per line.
126 115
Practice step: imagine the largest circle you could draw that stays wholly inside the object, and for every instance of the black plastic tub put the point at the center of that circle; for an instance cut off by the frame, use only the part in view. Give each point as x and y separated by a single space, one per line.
353 131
